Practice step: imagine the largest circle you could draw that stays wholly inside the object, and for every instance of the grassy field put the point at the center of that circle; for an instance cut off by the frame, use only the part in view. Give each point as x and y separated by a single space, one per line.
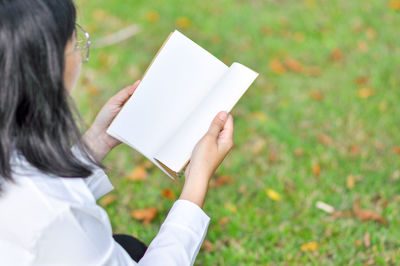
321 123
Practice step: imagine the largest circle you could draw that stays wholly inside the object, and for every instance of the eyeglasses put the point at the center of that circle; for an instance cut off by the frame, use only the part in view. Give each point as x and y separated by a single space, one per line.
82 43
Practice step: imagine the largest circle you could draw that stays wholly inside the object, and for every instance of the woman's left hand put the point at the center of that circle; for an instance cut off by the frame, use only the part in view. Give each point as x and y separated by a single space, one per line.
99 142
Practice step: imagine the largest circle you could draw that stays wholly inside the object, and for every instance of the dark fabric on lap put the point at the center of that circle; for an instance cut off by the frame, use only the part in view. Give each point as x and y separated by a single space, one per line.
132 245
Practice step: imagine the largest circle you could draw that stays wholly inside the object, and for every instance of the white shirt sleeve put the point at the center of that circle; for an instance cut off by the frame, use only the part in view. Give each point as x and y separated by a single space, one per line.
98 183
180 237
177 243
79 237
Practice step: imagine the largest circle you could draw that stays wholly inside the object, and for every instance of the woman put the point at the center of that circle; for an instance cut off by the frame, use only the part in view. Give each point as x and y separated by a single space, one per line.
49 214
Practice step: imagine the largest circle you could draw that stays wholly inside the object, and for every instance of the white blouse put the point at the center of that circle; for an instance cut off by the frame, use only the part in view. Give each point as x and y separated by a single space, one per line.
48 220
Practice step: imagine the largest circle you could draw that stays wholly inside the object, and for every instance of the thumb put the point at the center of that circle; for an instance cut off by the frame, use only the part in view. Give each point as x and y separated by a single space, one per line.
217 124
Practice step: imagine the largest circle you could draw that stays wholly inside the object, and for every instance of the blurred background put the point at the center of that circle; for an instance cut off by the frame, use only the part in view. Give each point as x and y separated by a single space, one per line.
314 177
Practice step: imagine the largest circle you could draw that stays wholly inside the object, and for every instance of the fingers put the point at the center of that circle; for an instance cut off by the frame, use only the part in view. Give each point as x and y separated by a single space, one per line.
123 95
133 87
217 124
227 132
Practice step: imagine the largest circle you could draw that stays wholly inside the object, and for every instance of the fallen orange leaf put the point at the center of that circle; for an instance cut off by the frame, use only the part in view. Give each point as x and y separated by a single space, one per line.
107 199
298 152
147 214
223 221
362 80
316 95
294 65
365 93
396 150
394 4
354 150
208 246
221 181
168 193
337 55
311 246
276 66
139 173
316 169
273 157
325 139
367 215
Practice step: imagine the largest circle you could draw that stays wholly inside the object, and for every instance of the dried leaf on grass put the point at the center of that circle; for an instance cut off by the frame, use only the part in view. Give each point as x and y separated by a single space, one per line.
361 214
259 115
224 221
207 246
258 145
183 22
350 182
152 16
365 93
138 174
272 194
316 95
221 181
354 150
277 67
337 55
325 139
311 246
362 80
316 169
298 152
294 65
394 4
230 207
168 193
366 215
396 150
107 199
147 214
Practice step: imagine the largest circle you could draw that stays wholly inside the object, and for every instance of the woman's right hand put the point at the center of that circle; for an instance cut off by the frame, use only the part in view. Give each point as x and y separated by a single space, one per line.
207 155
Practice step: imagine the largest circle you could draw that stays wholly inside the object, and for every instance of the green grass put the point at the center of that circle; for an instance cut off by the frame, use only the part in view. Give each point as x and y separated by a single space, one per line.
262 231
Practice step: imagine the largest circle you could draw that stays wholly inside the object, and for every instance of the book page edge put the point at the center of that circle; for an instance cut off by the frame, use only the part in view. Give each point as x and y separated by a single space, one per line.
158 52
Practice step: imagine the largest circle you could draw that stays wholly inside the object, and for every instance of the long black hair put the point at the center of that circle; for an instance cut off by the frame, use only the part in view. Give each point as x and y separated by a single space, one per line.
36 111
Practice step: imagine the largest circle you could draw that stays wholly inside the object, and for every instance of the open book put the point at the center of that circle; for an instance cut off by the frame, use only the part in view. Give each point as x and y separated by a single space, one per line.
181 92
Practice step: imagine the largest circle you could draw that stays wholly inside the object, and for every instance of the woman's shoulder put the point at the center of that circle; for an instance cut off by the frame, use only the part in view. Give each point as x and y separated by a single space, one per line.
33 199
27 210
36 195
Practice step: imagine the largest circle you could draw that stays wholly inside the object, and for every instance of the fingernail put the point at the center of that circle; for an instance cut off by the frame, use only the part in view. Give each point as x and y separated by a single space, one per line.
222 116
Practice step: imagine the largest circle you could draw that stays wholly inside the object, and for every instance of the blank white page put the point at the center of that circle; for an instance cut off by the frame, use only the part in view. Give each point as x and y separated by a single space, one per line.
227 92
178 79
